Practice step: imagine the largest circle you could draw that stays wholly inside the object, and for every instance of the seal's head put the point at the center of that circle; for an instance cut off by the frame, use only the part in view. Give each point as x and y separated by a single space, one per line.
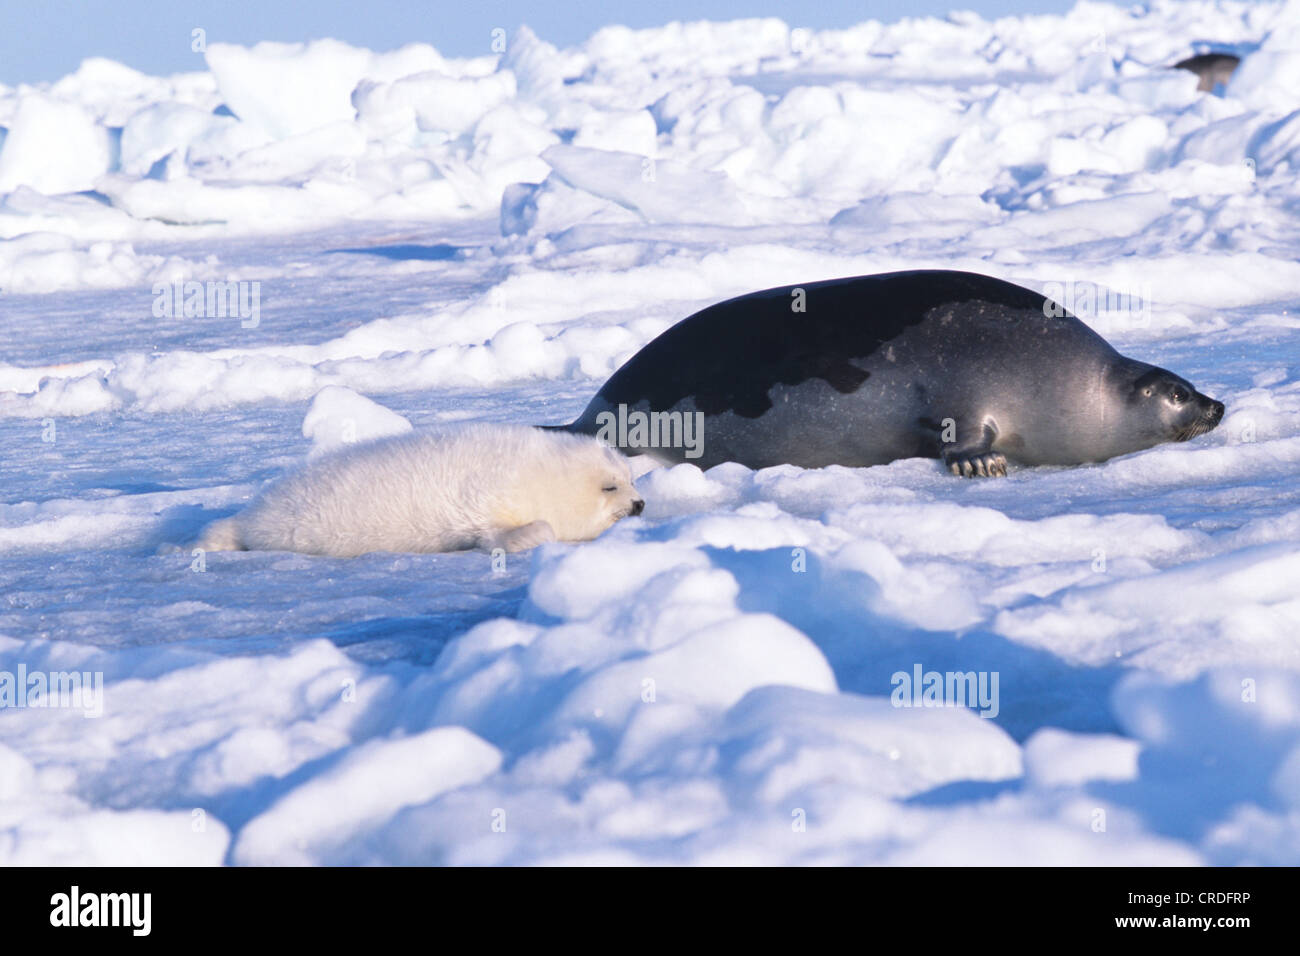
618 495
1168 408
576 484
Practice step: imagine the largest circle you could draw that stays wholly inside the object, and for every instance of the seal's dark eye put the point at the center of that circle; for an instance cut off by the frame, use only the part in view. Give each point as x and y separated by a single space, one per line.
1178 395
609 488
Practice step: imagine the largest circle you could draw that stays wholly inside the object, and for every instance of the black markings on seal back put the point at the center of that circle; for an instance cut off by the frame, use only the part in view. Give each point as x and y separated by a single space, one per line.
729 356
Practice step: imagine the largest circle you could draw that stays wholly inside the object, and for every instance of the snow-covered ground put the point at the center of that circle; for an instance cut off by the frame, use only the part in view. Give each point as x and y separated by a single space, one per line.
713 682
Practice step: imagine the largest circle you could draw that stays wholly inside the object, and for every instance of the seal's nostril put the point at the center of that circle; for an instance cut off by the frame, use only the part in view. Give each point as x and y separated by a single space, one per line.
1217 409
638 506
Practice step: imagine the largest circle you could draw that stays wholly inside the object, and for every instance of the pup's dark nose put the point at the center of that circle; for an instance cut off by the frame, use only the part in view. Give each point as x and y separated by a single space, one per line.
1216 411
638 506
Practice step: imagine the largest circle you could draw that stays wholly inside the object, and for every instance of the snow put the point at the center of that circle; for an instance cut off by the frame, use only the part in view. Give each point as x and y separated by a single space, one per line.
433 239
339 416
53 146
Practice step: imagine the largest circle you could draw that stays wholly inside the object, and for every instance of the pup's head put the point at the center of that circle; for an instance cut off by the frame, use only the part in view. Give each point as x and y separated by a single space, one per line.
591 488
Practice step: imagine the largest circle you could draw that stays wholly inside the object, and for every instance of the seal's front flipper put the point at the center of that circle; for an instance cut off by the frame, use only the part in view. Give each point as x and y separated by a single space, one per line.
990 465
220 535
976 458
522 538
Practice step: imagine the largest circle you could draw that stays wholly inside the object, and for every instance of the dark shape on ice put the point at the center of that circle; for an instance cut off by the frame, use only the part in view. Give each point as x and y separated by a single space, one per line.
439 252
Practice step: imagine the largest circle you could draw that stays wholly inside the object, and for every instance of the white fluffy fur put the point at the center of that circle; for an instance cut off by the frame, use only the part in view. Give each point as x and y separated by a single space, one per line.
480 486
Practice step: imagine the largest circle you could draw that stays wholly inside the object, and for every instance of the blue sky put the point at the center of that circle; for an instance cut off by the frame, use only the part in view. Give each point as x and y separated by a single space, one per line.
45 39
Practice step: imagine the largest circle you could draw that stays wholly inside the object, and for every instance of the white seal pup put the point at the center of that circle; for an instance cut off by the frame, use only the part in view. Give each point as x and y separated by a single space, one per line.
477 486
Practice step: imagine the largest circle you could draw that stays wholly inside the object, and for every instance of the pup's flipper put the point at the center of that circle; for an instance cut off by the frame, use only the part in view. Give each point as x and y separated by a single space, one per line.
222 535
521 538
